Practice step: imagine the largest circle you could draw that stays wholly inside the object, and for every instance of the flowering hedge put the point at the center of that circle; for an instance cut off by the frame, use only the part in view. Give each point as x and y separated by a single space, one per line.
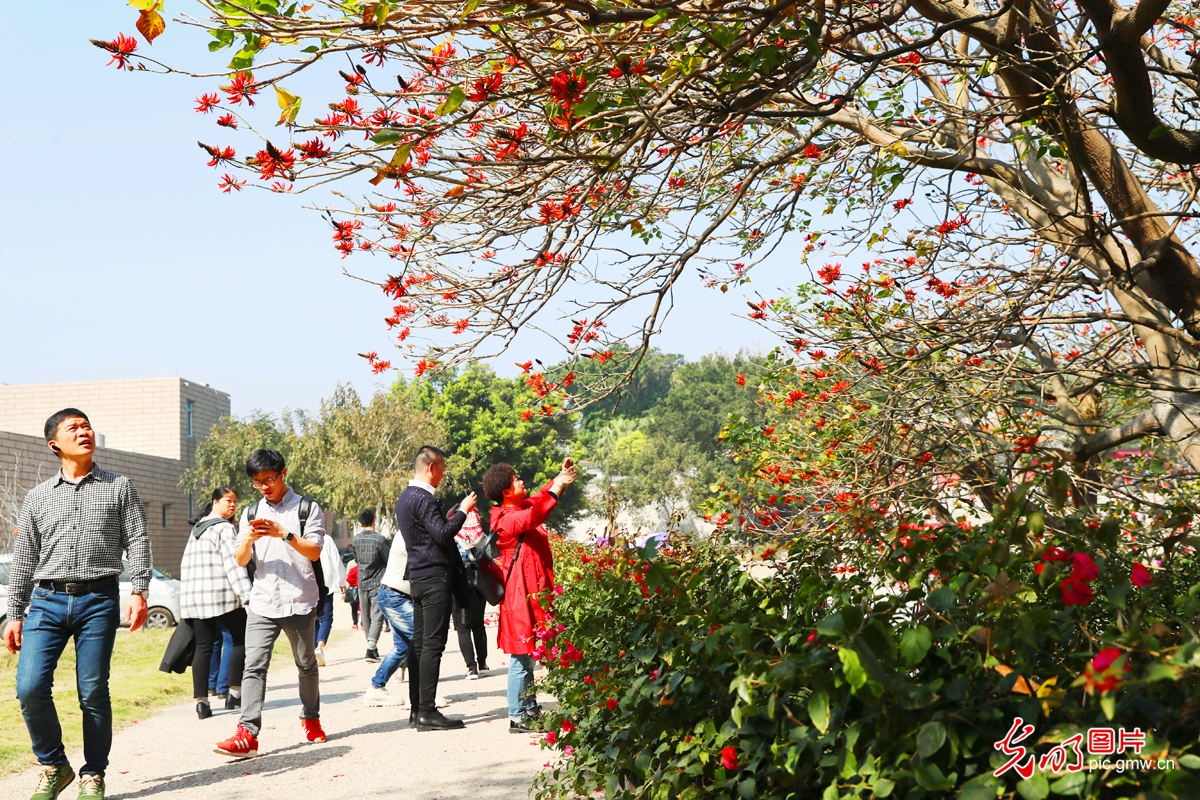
682 675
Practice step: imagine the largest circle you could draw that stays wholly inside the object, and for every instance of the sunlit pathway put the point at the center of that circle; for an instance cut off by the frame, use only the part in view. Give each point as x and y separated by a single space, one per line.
370 752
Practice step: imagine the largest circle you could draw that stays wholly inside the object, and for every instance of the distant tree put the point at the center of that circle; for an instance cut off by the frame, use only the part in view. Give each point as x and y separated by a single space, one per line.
650 384
221 458
487 419
360 456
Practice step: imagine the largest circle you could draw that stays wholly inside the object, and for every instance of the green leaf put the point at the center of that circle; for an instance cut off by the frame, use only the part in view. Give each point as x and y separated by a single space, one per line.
914 644
386 137
929 775
1106 534
1159 130
1191 761
1036 523
456 98
852 668
930 738
982 787
818 710
244 59
1108 704
831 625
746 788
1069 783
470 7
883 788
1034 788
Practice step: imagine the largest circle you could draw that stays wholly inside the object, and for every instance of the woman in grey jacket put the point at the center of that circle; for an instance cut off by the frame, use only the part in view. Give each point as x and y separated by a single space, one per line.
213 595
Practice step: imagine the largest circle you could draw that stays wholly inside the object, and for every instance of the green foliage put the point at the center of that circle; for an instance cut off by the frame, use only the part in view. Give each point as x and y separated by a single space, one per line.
487 420
820 678
221 458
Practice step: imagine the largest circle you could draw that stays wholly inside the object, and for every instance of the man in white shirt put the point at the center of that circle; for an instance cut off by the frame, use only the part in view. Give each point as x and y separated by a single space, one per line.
395 602
284 597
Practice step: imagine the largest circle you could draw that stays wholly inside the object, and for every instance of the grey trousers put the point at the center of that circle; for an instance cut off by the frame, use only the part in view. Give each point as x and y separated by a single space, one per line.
372 615
261 633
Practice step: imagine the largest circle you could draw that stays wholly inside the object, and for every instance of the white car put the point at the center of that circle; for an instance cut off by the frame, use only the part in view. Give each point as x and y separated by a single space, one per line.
163 599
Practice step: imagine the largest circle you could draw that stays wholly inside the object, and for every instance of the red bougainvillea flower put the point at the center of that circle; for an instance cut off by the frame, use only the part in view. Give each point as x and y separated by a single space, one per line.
1084 567
567 726
227 121
205 102
1140 576
551 737
1101 675
240 88
1076 592
121 47
567 88
612 703
729 758
1056 554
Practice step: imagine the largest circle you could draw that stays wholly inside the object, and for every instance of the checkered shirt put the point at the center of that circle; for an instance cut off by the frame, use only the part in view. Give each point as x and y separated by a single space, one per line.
213 583
371 551
76 532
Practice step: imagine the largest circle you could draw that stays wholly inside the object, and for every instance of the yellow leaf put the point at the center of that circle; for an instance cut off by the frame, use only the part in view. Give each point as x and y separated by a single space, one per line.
286 98
456 191
144 5
151 24
399 159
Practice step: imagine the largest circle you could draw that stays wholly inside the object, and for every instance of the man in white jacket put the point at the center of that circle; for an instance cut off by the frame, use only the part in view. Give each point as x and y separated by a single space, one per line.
335 581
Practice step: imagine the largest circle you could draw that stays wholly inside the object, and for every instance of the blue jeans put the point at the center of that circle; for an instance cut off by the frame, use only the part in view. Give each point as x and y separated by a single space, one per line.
53 618
218 668
399 612
325 620
522 700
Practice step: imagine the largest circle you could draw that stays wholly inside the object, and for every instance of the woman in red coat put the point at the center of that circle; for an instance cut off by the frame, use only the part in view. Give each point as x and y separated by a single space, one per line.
529 576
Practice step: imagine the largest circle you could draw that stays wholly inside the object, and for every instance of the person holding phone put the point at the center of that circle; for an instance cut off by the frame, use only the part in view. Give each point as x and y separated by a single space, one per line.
518 520
284 598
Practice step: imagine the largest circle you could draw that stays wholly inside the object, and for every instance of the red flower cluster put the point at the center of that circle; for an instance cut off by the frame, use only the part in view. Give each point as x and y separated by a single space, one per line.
567 88
205 102
271 162
240 88
227 121
1100 675
1075 588
829 273
729 758
313 149
625 66
121 48
486 87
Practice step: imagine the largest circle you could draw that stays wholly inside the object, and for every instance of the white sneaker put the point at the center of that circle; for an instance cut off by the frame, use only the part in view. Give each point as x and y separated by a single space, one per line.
380 697
320 654
472 675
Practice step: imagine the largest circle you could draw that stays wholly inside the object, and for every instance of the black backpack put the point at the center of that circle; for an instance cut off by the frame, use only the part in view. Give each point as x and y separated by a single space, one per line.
318 570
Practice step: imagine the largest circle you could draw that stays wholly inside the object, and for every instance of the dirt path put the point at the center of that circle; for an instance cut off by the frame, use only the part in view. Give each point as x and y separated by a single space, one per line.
370 752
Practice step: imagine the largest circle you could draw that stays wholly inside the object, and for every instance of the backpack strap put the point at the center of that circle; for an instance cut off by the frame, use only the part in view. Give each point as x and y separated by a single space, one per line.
513 564
252 511
305 510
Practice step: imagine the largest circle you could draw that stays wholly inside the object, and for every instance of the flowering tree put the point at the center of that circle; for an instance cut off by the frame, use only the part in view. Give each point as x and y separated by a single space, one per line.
1018 160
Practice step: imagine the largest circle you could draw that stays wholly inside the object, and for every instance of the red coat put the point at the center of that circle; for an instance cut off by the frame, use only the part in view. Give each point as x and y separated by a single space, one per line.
521 608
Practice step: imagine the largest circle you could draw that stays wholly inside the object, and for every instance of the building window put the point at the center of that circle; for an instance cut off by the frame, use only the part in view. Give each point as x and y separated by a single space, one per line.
164 516
191 428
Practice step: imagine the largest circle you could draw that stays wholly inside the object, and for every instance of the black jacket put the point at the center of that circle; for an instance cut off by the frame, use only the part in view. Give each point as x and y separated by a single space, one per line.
428 535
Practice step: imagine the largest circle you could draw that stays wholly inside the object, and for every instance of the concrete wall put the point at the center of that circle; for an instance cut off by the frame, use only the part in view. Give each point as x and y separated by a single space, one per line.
26 461
146 416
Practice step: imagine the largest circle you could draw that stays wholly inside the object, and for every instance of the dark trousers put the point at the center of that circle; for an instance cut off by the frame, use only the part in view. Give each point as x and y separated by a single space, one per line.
432 603
472 635
209 630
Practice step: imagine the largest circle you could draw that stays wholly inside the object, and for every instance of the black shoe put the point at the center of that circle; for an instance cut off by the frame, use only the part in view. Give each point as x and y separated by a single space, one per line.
203 711
435 721
222 695
373 655
412 719
519 727
483 667
232 703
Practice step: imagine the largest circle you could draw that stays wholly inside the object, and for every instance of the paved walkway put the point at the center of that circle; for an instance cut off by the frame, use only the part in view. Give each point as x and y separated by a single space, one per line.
370 752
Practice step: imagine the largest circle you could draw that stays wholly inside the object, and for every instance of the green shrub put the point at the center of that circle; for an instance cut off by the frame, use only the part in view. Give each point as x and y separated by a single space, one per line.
889 667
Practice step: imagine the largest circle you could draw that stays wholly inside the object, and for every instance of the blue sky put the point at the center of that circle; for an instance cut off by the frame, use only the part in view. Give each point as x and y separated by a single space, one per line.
122 259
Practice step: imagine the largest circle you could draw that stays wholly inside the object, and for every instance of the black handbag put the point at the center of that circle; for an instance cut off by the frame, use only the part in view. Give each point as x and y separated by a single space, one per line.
352 595
484 576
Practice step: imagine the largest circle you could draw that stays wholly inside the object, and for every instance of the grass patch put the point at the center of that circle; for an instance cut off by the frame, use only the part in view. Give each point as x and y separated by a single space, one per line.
137 686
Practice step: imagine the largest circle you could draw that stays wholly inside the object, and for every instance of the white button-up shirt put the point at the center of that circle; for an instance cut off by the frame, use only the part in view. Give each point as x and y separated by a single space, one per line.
284 581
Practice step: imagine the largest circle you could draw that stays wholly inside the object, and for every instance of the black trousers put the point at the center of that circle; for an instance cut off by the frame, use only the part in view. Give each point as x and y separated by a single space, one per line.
208 631
432 604
472 635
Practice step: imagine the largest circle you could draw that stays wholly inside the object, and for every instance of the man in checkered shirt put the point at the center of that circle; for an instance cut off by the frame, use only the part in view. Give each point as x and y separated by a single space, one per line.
70 535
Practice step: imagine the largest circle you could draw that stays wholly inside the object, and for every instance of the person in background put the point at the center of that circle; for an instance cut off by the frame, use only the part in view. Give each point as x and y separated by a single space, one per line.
394 599
352 596
371 550
528 568
218 667
468 613
63 585
433 565
335 580
283 599
214 591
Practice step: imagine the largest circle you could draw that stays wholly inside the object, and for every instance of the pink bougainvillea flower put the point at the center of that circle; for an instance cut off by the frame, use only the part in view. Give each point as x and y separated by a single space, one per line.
1100 675
612 703
729 758
1140 576
551 737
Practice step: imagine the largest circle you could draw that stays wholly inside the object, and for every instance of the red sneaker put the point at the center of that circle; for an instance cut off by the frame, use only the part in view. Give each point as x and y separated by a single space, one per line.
312 729
242 744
